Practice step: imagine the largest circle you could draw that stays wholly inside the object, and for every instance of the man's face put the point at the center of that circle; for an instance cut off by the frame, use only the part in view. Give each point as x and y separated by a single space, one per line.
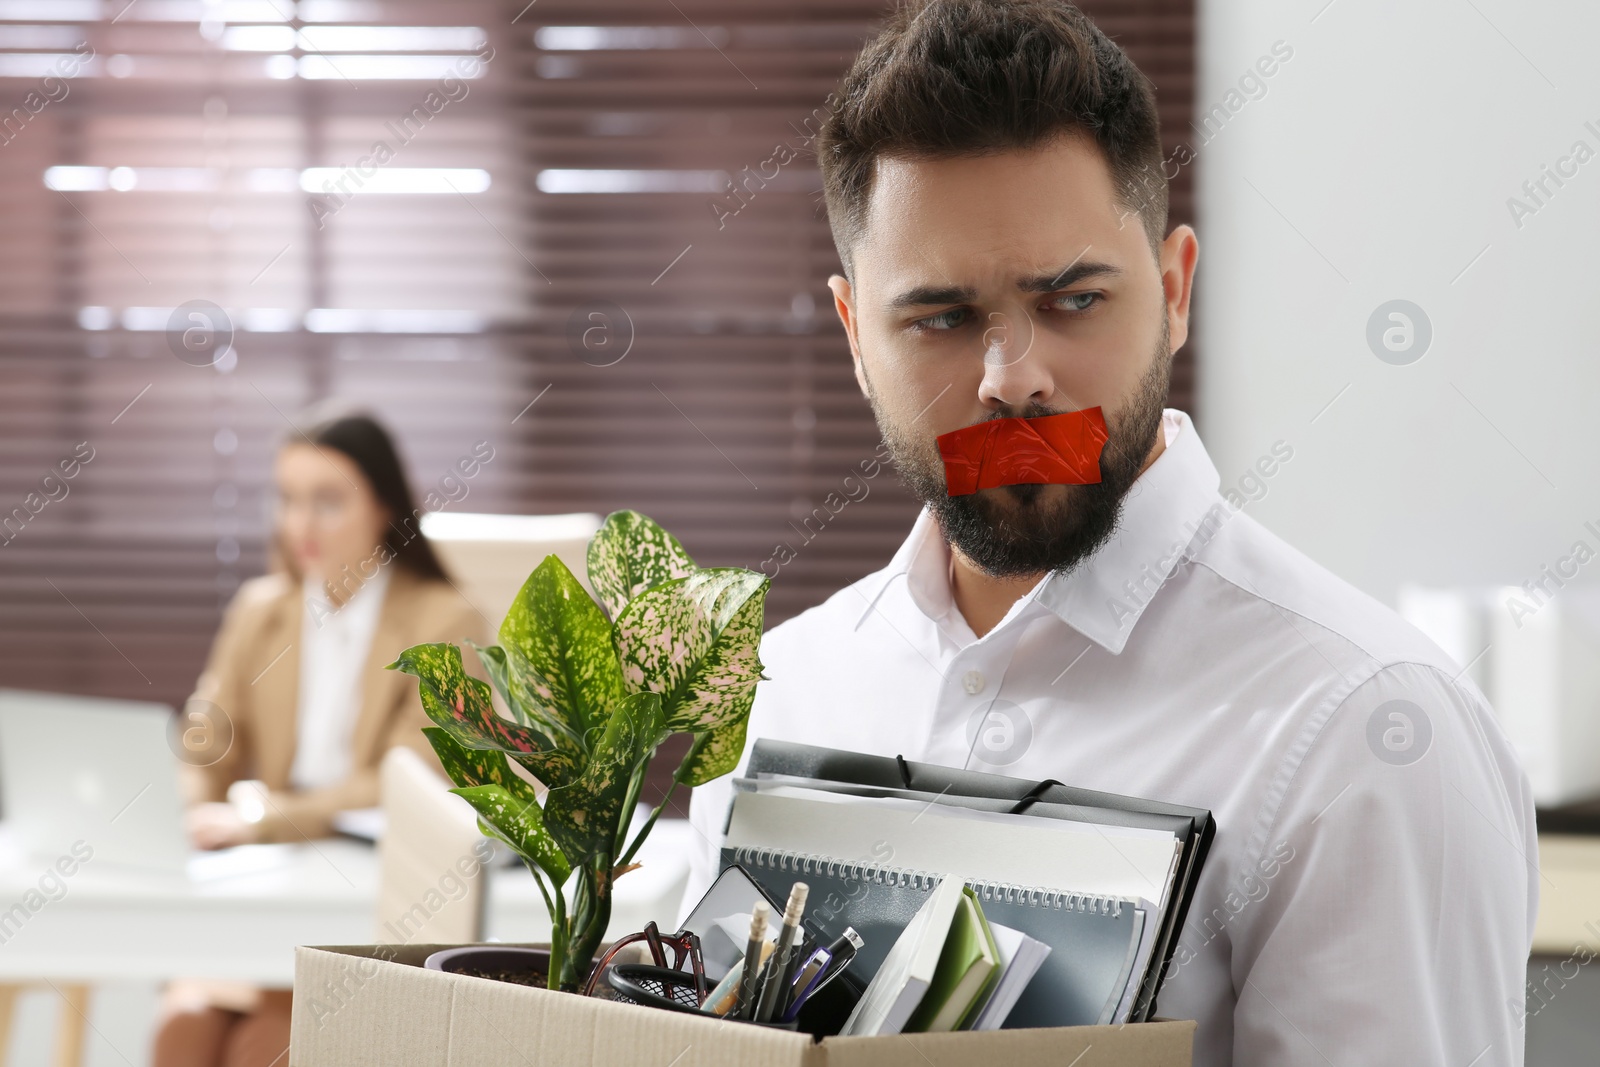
1014 284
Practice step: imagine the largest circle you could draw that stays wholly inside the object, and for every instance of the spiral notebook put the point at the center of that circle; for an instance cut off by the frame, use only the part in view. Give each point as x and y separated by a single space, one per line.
1096 942
1083 891
943 788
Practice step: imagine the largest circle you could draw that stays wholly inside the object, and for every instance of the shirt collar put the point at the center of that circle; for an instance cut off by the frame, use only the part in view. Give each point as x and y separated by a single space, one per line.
360 610
925 551
1168 506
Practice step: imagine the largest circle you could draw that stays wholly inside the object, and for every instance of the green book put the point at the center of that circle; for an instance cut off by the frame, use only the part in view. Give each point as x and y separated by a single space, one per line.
967 967
995 970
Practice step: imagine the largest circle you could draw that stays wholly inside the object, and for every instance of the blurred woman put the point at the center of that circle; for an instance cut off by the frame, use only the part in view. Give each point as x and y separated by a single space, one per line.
295 694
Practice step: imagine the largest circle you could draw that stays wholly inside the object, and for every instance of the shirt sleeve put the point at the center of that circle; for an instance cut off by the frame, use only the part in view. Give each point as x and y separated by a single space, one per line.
217 707
1397 923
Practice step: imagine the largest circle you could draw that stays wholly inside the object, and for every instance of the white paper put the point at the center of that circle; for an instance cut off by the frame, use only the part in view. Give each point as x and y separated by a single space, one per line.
1021 957
1052 854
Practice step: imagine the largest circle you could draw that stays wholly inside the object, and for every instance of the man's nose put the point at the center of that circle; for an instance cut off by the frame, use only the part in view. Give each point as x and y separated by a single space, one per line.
1013 374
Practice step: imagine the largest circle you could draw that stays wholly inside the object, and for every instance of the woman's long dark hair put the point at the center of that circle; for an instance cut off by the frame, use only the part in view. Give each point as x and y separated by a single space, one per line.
368 445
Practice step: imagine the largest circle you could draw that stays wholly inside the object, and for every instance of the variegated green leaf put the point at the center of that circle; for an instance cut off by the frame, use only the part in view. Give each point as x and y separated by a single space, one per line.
725 591
719 753
558 643
519 822
510 683
468 766
629 554
461 705
584 816
695 641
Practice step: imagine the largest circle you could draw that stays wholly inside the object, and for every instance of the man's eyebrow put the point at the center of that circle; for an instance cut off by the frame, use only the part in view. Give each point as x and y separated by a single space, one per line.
928 295
1074 272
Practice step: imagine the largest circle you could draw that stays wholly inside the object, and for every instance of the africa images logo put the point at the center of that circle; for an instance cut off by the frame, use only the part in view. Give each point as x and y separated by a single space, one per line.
1399 732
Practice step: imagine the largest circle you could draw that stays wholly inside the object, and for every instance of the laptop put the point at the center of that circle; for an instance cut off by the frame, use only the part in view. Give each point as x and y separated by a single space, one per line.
88 769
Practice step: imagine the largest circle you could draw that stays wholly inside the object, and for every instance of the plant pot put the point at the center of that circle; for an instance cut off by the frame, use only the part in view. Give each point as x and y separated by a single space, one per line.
499 963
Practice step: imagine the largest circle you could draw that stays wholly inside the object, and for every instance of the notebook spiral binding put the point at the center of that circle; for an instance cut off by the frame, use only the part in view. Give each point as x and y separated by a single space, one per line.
882 874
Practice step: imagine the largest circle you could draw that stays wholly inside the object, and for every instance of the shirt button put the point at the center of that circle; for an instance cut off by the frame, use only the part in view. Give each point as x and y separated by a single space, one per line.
973 682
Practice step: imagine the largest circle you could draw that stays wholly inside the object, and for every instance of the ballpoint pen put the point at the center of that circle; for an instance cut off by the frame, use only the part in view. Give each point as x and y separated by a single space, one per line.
806 981
842 951
781 969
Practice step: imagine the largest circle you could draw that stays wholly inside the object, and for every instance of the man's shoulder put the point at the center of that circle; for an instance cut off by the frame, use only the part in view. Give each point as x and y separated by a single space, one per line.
1374 692
1251 563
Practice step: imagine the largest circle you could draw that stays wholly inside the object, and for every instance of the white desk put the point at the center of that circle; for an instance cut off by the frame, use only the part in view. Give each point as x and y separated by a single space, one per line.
243 923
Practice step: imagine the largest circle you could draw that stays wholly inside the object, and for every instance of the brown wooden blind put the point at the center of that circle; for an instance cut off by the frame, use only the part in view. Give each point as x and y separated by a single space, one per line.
183 163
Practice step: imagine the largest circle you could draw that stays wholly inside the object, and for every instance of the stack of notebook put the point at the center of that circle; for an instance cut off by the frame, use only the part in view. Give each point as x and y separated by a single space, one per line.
1100 882
950 969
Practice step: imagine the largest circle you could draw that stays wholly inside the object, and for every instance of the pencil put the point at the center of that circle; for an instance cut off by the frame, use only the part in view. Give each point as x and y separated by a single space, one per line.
744 1007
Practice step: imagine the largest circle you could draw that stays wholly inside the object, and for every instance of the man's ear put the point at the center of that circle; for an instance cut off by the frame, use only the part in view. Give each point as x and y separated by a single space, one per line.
1179 253
842 303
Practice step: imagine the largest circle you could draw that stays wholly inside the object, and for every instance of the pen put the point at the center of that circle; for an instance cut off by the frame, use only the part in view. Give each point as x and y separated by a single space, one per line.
805 983
800 954
843 950
780 971
743 1007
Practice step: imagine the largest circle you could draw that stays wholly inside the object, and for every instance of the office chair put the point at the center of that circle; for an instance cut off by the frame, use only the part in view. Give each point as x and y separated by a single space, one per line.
430 837
490 556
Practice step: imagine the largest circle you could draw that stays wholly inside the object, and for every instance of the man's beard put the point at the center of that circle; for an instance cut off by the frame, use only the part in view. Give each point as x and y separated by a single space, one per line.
1021 530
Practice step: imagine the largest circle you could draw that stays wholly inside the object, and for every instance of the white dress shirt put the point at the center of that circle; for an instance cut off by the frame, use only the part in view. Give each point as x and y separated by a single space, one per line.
334 643
1371 892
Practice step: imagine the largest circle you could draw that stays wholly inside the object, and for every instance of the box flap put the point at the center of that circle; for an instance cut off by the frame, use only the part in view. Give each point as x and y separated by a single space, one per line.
375 1006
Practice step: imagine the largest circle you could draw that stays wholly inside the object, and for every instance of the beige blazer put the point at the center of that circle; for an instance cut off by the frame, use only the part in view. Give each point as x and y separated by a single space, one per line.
253 675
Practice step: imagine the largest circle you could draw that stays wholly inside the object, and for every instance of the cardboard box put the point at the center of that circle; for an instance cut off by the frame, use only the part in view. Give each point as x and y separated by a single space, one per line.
375 1006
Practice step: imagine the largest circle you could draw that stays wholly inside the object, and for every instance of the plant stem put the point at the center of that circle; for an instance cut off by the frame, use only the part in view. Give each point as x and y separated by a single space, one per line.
559 935
590 921
586 927
677 780
538 880
630 801
644 831
582 900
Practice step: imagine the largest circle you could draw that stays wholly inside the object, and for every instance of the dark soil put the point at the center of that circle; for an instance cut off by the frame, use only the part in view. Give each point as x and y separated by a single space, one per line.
516 977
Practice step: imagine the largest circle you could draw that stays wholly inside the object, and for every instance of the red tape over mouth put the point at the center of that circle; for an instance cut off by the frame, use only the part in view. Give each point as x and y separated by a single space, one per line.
1050 450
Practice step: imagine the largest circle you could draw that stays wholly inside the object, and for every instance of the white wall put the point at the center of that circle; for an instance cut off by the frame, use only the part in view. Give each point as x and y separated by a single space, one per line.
1384 150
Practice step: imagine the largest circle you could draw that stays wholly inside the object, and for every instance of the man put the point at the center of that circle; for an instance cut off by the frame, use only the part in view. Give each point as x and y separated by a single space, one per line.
993 180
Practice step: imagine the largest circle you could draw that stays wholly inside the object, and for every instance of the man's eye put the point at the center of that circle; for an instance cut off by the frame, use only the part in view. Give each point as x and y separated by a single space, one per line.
1076 302
945 320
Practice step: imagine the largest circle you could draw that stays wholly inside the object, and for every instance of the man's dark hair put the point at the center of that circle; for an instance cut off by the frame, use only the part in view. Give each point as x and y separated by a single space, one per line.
965 77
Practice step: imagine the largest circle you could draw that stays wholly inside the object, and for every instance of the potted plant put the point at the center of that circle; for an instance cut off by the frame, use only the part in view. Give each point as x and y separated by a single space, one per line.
592 690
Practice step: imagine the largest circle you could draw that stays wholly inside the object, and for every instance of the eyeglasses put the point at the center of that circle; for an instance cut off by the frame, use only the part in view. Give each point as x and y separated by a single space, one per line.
685 945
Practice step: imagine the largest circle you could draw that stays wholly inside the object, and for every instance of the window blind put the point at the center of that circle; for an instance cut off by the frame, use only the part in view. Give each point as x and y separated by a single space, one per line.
488 221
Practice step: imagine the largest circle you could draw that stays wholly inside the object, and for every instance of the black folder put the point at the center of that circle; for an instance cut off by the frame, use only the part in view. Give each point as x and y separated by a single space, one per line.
1193 827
